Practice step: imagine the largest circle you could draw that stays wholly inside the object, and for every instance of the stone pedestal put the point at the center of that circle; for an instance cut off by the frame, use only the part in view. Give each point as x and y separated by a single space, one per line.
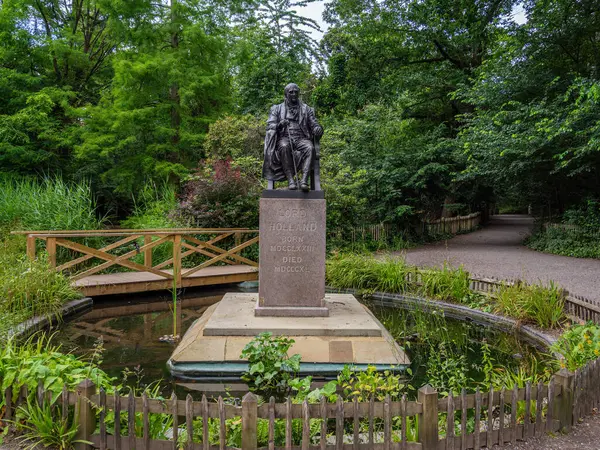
212 346
292 255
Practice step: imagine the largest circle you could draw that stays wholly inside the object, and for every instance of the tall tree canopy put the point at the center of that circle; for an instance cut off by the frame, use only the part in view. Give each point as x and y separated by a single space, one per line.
431 107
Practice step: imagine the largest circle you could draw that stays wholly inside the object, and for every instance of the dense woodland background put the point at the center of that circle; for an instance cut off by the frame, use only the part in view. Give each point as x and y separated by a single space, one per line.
431 107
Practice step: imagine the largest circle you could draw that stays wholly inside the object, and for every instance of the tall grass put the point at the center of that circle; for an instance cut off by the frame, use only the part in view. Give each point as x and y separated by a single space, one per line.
445 283
541 305
365 272
50 204
28 288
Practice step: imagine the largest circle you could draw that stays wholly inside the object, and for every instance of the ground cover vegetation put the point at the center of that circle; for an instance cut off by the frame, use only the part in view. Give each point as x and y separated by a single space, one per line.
575 234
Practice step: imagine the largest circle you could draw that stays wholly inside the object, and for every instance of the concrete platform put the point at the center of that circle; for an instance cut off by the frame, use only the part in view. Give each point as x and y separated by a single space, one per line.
350 335
347 317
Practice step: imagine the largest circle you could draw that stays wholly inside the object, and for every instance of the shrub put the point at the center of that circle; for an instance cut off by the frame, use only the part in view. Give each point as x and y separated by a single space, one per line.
219 196
39 360
536 304
270 369
578 345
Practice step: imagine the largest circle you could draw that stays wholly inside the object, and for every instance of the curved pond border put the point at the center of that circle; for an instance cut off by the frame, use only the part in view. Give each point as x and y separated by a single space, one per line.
36 323
530 334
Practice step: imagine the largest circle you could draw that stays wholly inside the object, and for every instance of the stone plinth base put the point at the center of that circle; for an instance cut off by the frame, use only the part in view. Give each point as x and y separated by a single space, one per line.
349 335
290 311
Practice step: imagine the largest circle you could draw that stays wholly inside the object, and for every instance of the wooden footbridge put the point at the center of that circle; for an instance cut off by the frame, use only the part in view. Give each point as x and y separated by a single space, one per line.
103 262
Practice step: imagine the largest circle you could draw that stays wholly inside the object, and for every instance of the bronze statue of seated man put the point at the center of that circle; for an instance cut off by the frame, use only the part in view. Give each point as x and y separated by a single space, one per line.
290 142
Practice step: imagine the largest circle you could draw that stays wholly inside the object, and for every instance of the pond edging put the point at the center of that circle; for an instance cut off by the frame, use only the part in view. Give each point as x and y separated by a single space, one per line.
531 334
36 323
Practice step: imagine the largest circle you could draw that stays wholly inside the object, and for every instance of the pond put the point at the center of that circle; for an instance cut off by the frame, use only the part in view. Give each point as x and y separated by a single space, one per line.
443 351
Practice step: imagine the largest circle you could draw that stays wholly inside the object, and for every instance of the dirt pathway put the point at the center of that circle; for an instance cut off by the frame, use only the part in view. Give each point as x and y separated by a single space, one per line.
497 251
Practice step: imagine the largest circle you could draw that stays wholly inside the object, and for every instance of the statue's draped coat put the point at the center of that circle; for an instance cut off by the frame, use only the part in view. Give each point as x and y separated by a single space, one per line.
272 167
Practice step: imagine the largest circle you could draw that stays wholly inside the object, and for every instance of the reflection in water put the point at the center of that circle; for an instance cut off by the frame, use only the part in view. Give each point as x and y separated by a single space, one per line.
130 328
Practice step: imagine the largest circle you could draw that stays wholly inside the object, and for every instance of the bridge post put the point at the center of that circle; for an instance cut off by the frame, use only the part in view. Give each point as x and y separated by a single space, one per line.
31 247
148 252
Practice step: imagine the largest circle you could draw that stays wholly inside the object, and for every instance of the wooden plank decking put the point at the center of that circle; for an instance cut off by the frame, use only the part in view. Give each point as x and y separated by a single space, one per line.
128 282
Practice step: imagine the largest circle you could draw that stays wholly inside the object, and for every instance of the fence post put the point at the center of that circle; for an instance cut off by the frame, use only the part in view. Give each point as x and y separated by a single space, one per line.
249 421
148 251
428 419
563 405
31 247
85 417
51 249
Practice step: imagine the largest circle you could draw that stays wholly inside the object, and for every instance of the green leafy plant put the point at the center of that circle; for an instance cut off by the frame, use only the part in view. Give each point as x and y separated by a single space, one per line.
44 425
579 344
371 383
39 360
270 369
369 274
536 304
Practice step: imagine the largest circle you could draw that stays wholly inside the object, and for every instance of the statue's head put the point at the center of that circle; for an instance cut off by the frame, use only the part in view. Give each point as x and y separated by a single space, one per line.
292 93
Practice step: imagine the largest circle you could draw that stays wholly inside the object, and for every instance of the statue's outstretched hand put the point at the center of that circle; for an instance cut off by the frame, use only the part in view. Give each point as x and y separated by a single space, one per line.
318 131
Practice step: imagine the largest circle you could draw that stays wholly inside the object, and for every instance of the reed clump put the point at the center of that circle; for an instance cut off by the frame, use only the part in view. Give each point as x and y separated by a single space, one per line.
49 204
532 303
393 275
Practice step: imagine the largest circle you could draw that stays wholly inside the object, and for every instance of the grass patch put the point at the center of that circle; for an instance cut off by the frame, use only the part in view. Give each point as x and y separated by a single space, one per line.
393 275
536 304
28 288
50 204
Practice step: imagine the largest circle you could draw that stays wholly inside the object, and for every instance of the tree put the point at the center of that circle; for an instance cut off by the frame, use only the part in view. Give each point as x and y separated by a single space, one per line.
274 48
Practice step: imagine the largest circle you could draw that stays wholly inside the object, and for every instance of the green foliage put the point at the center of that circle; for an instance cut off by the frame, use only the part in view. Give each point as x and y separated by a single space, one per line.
578 345
270 369
371 384
575 242
44 425
447 371
152 206
235 137
28 288
536 304
368 273
26 364
49 204
446 283
576 235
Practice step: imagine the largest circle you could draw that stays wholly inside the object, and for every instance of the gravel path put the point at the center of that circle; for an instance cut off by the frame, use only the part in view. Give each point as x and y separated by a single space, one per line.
497 251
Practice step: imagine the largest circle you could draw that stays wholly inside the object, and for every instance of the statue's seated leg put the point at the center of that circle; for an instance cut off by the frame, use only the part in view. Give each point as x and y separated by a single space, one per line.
285 153
305 150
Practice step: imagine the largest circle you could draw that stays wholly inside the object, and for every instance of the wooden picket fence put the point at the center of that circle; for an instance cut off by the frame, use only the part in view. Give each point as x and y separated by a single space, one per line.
499 417
454 225
385 231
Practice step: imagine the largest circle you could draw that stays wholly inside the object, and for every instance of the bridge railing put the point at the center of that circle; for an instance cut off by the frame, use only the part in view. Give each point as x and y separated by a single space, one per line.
118 247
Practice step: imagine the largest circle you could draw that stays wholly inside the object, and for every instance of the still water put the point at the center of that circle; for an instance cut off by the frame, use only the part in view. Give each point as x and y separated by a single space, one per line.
129 329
